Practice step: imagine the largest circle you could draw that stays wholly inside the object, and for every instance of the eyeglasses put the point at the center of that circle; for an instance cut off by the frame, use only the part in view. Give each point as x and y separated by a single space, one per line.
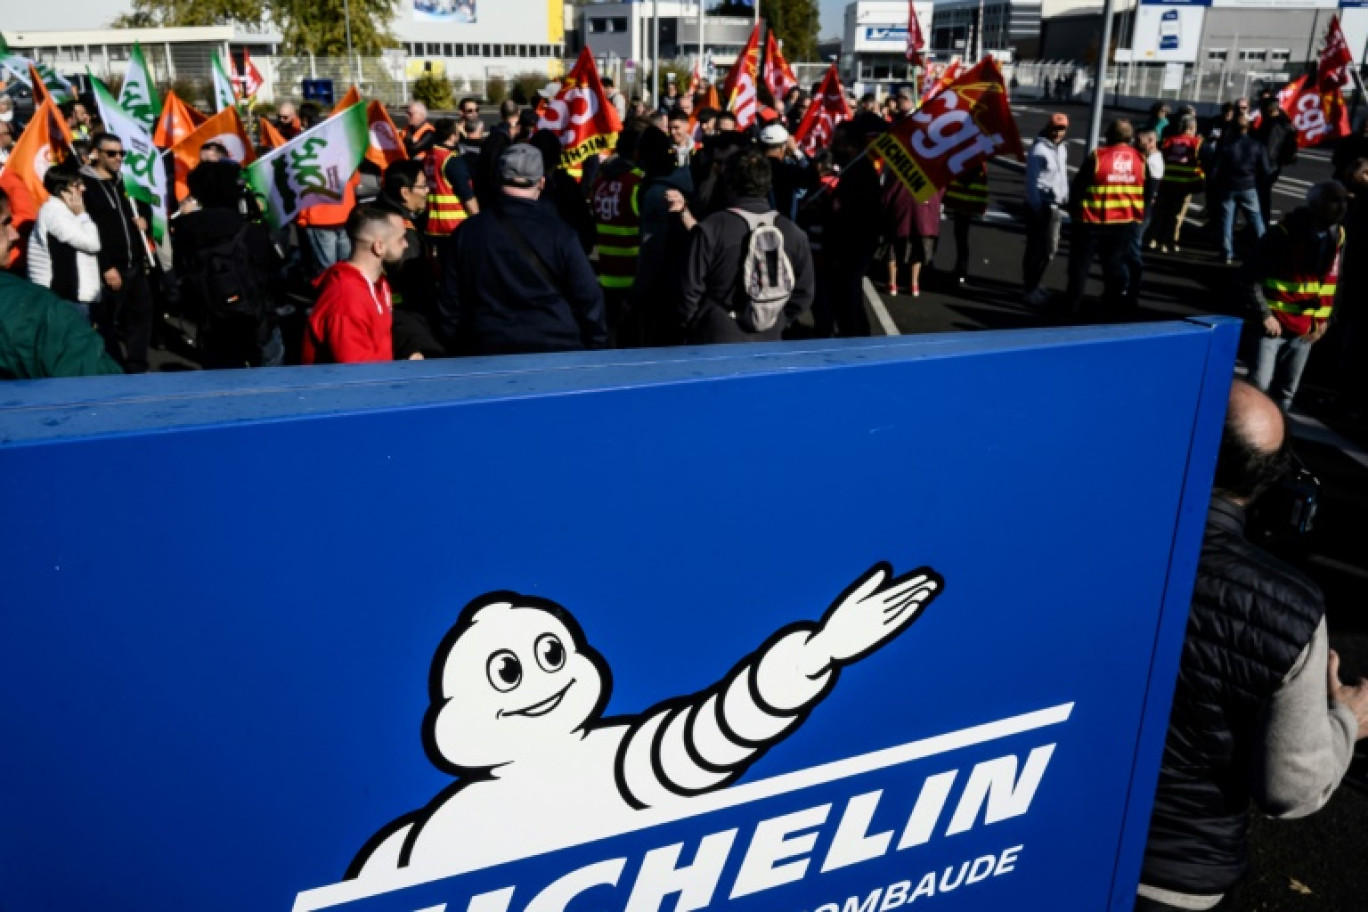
113 153
470 110
419 188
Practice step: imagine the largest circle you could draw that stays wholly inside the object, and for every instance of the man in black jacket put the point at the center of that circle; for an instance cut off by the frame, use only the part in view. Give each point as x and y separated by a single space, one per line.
404 191
1239 168
714 299
123 313
515 278
1278 136
1259 714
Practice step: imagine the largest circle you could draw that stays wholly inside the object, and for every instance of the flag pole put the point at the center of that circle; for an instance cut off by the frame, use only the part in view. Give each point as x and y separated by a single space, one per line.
1100 80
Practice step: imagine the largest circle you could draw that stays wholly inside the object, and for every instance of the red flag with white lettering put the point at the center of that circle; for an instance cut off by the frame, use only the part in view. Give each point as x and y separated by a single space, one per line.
738 91
827 110
916 41
580 114
954 131
1317 110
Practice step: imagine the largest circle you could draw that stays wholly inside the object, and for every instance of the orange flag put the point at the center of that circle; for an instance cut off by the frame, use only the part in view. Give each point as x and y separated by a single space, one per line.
45 142
40 92
352 96
270 136
712 101
178 120
224 128
385 146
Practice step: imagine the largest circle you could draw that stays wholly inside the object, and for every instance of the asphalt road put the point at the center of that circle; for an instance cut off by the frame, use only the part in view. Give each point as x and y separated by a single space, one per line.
1313 865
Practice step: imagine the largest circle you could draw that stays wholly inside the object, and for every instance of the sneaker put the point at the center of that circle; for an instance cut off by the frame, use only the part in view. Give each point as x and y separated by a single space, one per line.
961 279
1176 248
1036 298
916 291
893 289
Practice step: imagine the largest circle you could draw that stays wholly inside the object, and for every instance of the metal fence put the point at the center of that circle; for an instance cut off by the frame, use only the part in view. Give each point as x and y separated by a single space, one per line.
1137 83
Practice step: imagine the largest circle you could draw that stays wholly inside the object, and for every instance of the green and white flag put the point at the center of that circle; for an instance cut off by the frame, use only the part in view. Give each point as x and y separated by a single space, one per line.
139 96
143 171
57 85
224 96
312 168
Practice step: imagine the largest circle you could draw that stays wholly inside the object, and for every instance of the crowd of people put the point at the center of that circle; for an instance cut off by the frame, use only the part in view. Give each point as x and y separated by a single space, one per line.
690 230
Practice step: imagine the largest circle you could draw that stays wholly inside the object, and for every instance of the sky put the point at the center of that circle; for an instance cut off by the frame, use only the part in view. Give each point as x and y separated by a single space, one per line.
833 17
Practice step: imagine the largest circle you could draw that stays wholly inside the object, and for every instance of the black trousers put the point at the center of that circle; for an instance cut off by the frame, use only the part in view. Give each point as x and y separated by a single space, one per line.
839 308
124 320
716 326
1264 190
962 222
1111 244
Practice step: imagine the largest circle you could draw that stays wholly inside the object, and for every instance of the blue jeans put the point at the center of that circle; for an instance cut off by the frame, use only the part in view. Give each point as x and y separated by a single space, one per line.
1248 200
326 247
1278 369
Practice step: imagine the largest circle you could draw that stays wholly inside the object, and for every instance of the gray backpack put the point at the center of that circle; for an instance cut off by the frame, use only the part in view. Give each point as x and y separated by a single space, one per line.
766 273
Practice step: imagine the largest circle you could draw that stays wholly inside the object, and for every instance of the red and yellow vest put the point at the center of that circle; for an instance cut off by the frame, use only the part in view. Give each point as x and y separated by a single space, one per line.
1116 195
1303 298
969 192
617 218
1183 163
445 210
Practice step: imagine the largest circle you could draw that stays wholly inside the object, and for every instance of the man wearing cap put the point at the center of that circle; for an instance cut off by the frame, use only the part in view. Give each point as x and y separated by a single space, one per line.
515 281
787 176
1047 193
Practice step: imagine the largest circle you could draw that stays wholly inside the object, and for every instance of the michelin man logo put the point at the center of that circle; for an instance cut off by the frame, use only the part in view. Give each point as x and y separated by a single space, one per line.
516 714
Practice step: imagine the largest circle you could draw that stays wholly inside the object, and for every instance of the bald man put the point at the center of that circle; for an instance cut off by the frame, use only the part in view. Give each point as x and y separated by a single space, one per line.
1259 715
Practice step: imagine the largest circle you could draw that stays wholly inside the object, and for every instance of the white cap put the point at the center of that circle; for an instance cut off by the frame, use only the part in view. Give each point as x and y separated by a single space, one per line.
774 135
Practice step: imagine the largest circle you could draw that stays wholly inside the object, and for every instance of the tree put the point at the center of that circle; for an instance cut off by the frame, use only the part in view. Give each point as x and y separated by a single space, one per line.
795 23
155 13
316 27
319 27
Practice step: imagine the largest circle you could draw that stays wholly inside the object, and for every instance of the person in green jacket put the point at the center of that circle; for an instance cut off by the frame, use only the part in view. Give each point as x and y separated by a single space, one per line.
40 334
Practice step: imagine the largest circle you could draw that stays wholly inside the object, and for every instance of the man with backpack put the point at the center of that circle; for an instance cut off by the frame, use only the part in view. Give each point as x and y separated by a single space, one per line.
749 273
226 267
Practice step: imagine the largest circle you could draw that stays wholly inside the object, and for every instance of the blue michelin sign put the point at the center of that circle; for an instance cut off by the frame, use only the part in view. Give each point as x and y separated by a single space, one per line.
771 627
890 33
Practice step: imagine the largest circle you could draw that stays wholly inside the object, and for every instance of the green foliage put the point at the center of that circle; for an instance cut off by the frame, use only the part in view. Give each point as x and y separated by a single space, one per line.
433 91
154 13
526 85
318 27
682 71
795 23
496 90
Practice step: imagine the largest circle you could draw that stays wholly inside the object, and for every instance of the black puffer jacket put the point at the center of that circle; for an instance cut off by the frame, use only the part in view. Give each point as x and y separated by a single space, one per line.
1252 616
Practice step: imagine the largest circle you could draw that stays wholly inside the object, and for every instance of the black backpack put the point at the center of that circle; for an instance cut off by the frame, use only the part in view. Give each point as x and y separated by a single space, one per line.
224 282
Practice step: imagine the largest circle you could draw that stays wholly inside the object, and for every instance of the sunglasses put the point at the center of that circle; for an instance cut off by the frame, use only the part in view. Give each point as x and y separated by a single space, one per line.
113 153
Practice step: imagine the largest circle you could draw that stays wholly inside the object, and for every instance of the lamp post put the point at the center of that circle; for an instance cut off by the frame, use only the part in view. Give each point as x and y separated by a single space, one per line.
1100 80
346 15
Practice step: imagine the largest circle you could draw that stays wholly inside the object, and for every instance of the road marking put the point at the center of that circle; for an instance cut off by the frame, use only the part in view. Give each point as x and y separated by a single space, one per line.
876 304
1308 428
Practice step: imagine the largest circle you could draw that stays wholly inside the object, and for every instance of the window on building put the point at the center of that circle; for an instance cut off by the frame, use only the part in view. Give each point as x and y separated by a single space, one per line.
1218 54
458 50
619 24
1279 55
472 50
446 49
434 49
597 26
1253 55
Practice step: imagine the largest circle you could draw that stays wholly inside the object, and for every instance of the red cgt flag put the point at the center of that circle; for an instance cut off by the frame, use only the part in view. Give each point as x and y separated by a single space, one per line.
1317 110
954 131
580 114
827 110
738 91
916 41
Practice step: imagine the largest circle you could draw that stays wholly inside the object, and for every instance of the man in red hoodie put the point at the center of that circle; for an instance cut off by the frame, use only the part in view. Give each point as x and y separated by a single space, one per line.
353 319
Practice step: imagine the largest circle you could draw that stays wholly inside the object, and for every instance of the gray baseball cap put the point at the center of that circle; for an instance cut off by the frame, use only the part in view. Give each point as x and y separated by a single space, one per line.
522 163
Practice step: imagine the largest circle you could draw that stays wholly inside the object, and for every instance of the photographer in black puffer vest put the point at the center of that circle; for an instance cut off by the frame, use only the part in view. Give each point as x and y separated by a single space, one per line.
1259 715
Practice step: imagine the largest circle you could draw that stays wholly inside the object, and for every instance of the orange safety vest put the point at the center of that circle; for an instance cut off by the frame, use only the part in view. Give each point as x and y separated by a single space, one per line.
1116 195
1302 298
617 218
1182 163
446 212
969 192
412 136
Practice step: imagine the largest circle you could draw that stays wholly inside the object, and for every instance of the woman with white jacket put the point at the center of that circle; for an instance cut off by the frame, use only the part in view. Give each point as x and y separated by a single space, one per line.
62 249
